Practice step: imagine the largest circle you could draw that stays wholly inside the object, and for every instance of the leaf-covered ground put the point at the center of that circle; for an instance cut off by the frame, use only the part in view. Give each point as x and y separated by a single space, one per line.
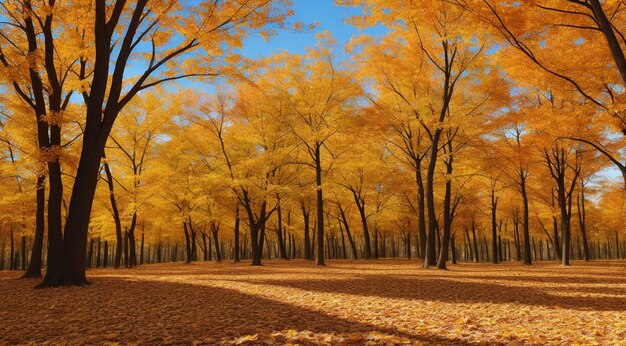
293 302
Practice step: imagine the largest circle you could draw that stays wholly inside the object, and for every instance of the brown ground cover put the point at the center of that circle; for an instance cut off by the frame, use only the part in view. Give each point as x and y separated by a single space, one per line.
348 302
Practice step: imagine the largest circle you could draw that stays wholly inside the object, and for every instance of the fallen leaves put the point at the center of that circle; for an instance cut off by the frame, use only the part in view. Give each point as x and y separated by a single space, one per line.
346 303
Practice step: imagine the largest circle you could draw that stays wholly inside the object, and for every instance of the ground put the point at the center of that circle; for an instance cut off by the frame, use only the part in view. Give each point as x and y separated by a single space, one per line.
347 302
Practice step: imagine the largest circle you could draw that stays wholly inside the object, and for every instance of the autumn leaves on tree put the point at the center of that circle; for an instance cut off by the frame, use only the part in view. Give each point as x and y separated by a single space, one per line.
464 132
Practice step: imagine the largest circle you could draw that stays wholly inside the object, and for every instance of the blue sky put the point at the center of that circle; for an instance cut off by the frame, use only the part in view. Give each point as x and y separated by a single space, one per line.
329 16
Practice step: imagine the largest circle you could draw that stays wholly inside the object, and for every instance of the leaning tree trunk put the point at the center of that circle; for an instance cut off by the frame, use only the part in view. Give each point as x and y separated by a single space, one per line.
116 217
218 253
582 219
348 233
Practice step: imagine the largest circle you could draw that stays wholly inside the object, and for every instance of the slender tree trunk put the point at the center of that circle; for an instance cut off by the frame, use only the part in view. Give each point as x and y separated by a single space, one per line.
105 258
218 253
141 249
90 253
476 258
494 228
98 252
421 211
348 233
367 251
525 225
131 241
307 239
34 266
236 255
116 217
583 223
282 246
447 216
319 260
187 243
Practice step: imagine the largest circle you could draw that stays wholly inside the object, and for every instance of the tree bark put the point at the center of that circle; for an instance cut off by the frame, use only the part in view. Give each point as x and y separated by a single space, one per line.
34 266
319 255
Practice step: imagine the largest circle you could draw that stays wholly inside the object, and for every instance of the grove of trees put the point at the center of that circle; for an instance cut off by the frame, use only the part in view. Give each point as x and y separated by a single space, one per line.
471 130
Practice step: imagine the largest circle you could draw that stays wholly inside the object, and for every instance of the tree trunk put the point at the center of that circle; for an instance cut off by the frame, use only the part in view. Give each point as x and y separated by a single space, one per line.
236 256
319 259
348 233
141 249
218 253
476 257
34 266
582 222
187 244
307 239
494 228
282 246
447 216
525 225
105 259
116 217
131 242
421 211
99 248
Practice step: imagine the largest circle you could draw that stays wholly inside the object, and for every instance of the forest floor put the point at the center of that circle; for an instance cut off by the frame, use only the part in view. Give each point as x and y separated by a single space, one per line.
348 302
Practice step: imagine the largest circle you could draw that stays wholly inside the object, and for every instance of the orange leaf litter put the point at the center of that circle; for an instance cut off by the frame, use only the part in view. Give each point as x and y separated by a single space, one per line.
386 302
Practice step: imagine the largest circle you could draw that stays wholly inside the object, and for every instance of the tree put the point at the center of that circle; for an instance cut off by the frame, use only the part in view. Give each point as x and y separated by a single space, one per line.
153 29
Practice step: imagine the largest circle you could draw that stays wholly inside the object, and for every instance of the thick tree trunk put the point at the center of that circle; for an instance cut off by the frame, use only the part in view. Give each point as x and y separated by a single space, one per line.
55 234
72 268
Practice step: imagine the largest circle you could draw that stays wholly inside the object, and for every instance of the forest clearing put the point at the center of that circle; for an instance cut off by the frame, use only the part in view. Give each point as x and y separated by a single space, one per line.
382 302
312 172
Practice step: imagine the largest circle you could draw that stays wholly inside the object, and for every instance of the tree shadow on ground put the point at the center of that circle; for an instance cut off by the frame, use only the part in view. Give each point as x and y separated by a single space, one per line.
133 311
453 290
